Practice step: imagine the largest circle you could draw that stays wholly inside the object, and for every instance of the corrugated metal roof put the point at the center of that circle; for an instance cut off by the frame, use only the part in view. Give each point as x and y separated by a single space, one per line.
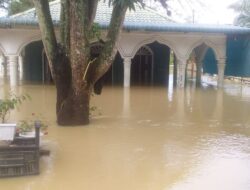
142 19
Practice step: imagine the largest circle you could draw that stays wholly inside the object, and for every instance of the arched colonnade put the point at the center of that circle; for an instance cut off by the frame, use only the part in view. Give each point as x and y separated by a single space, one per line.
182 44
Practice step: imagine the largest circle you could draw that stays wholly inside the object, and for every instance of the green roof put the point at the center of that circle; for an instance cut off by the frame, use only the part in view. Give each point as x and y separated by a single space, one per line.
141 19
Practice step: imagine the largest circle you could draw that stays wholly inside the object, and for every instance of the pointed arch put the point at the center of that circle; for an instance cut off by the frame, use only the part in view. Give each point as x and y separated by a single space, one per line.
208 43
146 50
142 67
158 39
30 40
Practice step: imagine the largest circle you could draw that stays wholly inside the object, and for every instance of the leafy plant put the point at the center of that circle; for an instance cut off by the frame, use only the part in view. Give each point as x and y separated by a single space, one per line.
28 125
24 126
94 111
9 104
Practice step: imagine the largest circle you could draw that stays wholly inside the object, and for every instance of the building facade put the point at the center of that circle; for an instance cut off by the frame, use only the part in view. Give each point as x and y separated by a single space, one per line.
148 44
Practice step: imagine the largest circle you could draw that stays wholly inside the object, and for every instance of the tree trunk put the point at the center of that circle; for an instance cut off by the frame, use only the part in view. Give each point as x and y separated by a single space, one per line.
73 98
73 70
74 109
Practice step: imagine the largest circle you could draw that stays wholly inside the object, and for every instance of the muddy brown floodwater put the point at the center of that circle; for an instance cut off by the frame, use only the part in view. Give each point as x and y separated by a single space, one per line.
145 139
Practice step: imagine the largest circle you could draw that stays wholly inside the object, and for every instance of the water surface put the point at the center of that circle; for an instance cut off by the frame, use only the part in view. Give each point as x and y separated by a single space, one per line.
145 139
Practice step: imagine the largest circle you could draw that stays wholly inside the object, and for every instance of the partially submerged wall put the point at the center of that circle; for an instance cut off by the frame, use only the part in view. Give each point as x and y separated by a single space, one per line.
238 56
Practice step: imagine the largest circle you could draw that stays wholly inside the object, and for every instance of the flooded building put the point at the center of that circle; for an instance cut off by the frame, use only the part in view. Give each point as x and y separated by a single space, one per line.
150 47
146 137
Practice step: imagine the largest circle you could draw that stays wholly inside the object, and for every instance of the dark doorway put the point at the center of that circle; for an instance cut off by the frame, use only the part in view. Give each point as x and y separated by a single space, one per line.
142 67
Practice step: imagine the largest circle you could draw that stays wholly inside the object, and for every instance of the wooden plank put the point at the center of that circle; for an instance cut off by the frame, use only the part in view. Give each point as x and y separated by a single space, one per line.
11 165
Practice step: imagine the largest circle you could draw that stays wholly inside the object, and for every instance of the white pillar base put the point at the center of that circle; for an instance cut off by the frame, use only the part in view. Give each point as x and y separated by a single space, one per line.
127 71
221 70
20 64
181 68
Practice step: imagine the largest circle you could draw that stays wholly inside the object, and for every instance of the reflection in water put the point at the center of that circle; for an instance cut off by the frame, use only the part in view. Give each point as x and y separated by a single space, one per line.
126 102
144 140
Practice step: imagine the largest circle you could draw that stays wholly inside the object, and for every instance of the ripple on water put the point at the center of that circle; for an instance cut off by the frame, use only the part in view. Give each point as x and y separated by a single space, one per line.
145 142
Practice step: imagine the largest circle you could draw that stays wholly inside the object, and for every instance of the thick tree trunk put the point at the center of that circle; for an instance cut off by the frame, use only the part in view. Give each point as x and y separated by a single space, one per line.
74 109
73 97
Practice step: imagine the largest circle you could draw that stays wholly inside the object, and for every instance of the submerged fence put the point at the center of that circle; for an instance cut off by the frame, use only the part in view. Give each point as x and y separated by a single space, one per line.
242 80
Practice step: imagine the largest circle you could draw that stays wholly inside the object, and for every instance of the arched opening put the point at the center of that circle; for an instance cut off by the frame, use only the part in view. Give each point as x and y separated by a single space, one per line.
34 65
142 67
201 66
153 64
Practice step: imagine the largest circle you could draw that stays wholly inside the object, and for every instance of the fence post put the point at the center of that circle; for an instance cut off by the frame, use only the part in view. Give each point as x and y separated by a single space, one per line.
37 143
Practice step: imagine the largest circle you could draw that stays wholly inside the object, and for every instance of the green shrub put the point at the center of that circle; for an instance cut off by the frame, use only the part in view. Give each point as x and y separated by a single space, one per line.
9 104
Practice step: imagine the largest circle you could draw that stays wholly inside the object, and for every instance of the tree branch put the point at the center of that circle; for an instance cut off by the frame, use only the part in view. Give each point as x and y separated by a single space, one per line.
91 12
78 24
107 55
47 31
65 26
163 3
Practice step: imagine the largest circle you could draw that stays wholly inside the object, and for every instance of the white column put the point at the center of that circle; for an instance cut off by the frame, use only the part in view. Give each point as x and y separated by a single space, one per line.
127 71
198 73
5 71
221 69
181 68
13 69
175 72
20 63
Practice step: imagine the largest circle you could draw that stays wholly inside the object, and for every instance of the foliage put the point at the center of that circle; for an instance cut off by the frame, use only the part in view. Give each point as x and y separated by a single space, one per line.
128 3
28 125
95 32
4 4
94 111
17 6
9 104
243 8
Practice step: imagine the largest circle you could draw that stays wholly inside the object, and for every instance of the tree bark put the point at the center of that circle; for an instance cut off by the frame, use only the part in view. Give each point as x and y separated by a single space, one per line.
64 25
47 31
74 109
73 97
72 72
